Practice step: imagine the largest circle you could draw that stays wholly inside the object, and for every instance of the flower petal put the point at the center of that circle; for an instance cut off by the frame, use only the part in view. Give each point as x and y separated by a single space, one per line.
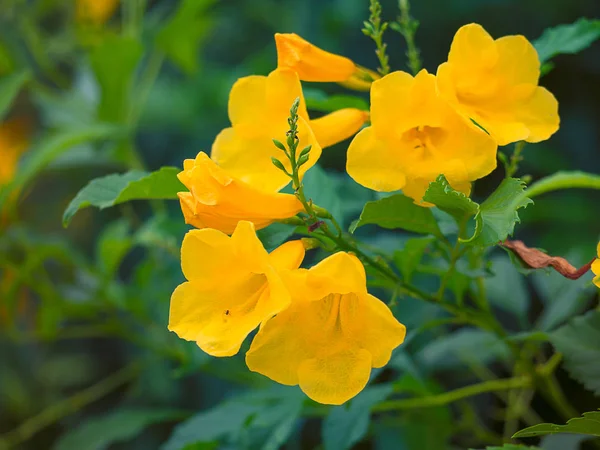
338 126
340 273
287 256
335 379
249 250
540 115
373 162
247 104
206 255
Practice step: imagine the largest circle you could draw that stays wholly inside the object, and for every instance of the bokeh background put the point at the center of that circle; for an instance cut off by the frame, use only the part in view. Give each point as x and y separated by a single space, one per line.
83 310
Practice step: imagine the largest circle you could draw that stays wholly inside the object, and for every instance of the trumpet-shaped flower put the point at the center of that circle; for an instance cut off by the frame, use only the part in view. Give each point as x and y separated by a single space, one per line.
414 137
312 63
258 109
13 142
233 286
332 334
596 267
218 200
96 12
495 83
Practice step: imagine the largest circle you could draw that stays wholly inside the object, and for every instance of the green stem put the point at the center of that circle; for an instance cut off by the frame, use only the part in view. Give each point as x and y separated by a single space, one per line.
68 406
408 27
563 180
374 28
455 395
515 159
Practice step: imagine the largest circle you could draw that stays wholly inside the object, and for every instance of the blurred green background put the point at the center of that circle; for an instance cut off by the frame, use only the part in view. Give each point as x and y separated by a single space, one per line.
83 310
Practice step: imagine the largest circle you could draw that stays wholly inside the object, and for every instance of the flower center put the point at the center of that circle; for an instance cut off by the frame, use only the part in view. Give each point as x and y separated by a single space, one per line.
423 140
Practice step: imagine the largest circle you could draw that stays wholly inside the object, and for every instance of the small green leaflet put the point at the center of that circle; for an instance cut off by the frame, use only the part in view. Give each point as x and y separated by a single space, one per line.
588 424
398 211
119 188
579 342
569 38
455 203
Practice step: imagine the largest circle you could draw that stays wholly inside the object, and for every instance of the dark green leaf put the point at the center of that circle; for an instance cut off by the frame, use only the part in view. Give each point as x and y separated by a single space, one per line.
579 342
398 211
321 186
455 203
569 38
114 63
10 85
498 215
318 100
119 188
588 424
275 234
410 256
184 32
101 432
347 424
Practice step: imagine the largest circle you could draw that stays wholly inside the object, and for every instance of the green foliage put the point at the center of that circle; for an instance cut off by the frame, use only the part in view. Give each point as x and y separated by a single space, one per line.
113 244
455 203
507 289
318 100
398 212
571 38
119 426
410 256
588 424
182 35
114 63
10 85
114 189
579 342
344 426
563 180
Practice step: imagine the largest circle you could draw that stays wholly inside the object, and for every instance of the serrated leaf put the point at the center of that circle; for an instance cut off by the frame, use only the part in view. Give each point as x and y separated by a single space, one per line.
398 212
10 85
114 63
568 38
100 432
184 32
410 256
346 425
498 215
589 424
119 188
455 203
318 100
579 342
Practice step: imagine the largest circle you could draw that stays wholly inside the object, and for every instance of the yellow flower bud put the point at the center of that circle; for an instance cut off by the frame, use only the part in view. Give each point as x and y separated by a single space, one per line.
495 83
331 336
414 137
218 200
233 285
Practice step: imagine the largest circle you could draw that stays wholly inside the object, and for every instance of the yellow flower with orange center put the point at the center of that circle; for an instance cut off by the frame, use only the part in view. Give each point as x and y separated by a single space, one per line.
495 83
312 63
331 336
259 108
233 285
96 12
414 137
218 200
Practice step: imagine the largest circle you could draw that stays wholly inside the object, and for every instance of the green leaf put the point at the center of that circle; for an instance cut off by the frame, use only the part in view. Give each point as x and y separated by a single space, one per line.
275 234
10 85
51 147
346 425
455 203
122 425
563 180
184 32
568 38
321 186
119 188
411 255
318 100
579 342
467 344
588 424
114 63
498 215
398 211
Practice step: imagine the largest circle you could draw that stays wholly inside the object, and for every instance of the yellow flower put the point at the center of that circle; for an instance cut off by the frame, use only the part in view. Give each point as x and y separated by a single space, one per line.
315 64
596 267
414 137
331 335
217 200
258 109
233 285
13 142
495 83
96 12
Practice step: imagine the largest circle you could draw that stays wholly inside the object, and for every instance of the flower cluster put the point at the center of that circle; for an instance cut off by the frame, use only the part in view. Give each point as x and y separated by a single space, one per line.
319 328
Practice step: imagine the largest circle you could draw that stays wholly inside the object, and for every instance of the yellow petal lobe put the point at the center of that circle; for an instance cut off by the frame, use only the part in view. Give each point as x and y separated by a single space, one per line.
338 125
